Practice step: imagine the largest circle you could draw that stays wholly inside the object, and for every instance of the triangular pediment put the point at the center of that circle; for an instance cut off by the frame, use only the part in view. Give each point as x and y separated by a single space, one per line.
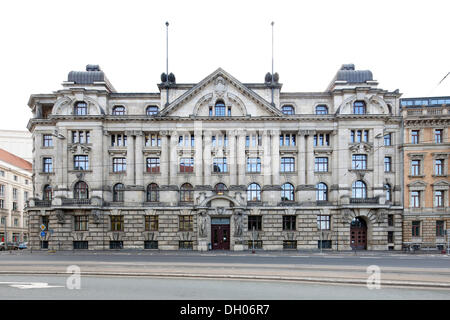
220 85
417 183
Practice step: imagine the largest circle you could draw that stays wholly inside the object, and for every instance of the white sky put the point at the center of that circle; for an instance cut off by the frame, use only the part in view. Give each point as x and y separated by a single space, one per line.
404 43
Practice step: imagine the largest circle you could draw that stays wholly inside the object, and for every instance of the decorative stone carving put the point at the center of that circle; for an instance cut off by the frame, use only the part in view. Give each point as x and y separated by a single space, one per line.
361 148
220 87
202 223
97 214
381 216
238 224
60 216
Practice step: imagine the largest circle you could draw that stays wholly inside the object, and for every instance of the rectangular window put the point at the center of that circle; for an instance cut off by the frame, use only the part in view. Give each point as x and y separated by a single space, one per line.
359 136
289 223
256 244
152 140
247 141
117 223
415 136
387 164
186 245
150 244
439 167
390 220
16 222
80 136
390 236
15 206
289 244
359 162
81 162
255 223
254 165
323 222
324 244
45 221
119 164
151 223
321 139
81 223
186 223
118 140
415 167
287 140
438 135
80 245
47 140
14 193
387 139
415 199
220 165
44 244
439 198
47 165
416 228
2 204
152 165
287 165
2 190
186 165
116 244
440 228
321 164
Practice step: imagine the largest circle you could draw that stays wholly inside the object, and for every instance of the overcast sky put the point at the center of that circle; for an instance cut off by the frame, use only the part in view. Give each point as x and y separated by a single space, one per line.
404 43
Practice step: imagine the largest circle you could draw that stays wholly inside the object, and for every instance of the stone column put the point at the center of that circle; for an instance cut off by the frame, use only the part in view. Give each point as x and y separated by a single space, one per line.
173 162
333 191
232 164
301 159
310 159
240 158
275 134
267 172
198 157
378 165
131 177
207 158
139 159
164 160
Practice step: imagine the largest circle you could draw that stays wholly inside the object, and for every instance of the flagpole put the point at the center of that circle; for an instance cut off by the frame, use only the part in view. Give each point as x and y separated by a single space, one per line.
272 61
167 61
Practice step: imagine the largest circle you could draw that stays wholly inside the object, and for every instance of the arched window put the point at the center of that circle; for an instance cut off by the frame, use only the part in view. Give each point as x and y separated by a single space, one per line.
388 190
48 193
321 109
118 192
219 109
220 189
186 193
81 190
118 111
287 109
80 108
152 192
321 192
359 107
359 190
152 110
254 192
287 192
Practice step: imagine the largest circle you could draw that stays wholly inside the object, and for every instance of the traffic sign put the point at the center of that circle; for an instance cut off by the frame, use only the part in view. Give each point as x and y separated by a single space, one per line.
42 233
42 227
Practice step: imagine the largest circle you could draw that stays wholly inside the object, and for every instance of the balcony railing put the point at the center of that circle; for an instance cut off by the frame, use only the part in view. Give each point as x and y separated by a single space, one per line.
42 203
364 200
76 201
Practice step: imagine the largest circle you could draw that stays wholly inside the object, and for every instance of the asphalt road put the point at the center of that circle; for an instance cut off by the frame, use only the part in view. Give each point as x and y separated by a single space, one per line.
139 288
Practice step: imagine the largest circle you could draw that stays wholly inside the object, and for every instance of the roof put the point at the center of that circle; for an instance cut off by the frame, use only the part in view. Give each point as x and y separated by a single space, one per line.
15 160
349 74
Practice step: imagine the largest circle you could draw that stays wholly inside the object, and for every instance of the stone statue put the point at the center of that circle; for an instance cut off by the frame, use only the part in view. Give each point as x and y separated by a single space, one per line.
202 226
238 225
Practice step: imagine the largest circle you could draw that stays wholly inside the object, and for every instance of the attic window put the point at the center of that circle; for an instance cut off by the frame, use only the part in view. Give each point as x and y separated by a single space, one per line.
118 111
321 109
359 107
219 109
80 108
152 110
287 109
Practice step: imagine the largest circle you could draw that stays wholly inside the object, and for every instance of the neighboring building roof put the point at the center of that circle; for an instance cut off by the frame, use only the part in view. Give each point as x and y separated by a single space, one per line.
425 101
15 160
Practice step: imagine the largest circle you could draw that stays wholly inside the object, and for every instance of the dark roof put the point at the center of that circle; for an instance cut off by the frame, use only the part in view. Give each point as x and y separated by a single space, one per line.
91 75
349 74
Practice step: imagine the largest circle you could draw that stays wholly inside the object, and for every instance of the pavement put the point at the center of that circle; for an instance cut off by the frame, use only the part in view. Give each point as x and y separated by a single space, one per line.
431 270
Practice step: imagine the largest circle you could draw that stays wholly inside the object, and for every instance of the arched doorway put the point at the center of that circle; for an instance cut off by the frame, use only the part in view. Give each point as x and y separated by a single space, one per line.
358 234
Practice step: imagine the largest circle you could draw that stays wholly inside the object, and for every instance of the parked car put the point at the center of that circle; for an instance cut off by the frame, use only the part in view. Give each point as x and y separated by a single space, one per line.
23 245
9 246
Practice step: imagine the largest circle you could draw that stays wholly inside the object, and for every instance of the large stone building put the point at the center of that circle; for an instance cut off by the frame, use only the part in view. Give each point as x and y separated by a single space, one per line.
426 174
217 164
15 189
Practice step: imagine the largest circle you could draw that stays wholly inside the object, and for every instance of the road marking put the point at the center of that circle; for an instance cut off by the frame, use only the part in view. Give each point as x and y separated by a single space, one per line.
30 285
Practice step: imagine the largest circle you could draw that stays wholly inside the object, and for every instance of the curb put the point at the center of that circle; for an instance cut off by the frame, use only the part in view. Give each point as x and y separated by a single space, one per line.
241 277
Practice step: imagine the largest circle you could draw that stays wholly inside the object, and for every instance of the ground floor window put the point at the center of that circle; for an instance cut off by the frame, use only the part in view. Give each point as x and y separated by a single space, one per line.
80 244
324 244
186 245
390 236
416 228
116 244
150 244
439 228
44 244
258 244
289 244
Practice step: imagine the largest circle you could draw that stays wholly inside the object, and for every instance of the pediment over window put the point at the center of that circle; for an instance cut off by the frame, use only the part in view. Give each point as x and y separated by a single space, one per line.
441 185
220 86
374 105
417 185
361 148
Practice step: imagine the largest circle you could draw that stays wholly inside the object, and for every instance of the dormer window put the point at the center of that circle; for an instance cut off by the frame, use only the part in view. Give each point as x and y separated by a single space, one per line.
219 109
80 108
321 109
287 109
152 110
359 107
118 111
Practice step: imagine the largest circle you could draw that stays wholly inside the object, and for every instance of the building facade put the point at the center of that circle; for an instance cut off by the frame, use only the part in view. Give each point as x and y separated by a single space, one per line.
16 187
218 164
426 174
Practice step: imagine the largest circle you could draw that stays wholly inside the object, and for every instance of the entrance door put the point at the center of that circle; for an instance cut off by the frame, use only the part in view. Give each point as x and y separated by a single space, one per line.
358 234
220 234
